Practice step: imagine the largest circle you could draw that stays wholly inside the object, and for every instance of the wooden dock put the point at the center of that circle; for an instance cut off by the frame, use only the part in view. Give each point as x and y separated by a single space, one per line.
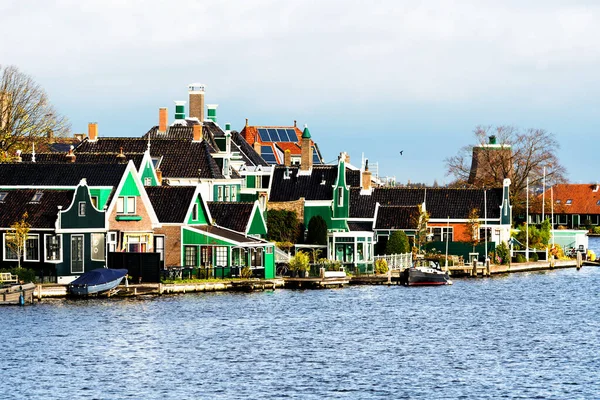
315 283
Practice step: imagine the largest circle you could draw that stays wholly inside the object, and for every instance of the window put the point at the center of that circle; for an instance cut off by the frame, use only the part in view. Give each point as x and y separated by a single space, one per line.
191 255
221 256
558 201
598 203
257 257
569 201
98 247
340 197
147 181
2 196
94 201
270 250
126 205
136 243
438 234
482 232
112 242
53 248
234 193
77 254
195 212
81 209
220 193
227 193
159 246
36 197
226 167
32 248
9 253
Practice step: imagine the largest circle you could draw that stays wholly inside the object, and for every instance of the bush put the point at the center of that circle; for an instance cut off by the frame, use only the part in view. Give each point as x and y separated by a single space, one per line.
381 266
520 258
502 254
300 262
596 230
246 272
283 226
24 274
317 231
534 257
397 243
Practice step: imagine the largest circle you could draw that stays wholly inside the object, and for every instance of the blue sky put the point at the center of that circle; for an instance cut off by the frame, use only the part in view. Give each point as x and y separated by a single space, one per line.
366 76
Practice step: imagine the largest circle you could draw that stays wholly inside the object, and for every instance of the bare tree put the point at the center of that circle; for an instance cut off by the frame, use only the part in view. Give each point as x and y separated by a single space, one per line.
517 154
26 115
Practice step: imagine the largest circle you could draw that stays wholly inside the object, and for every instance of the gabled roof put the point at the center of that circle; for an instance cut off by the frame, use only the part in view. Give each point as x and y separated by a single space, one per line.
231 215
180 158
397 217
60 174
573 198
360 226
308 186
171 203
41 214
179 132
249 155
440 203
250 133
85 158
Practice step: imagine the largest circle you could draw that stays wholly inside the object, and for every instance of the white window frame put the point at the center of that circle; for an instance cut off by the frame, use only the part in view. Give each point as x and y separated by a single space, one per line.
112 239
340 197
127 204
5 248
92 246
36 237
234 193
147 181
195 212
60 252
226 197
220 252
79 209
219 193
121 205
82 256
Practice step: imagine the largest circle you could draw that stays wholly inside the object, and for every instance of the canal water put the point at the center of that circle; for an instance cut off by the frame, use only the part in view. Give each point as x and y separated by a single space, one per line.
528 335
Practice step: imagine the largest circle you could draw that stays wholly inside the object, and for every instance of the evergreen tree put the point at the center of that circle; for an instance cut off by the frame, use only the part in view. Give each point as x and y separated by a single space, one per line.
397 243
317 231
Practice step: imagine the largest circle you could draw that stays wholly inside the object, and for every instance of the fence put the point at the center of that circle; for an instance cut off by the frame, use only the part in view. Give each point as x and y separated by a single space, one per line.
396 261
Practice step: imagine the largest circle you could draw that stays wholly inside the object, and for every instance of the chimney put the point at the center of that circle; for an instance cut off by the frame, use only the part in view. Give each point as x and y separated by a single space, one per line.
347 160
70 156
121 157
196 98
18 158
93 131
197 132
163 119
79 136
306 160
257 148
159 177
212 112
179 110
294 123
287 158
246 122
366 177
227 126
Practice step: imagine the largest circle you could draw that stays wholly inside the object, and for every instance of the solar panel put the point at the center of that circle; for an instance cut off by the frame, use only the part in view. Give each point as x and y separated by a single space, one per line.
316 159
283 135
264 135
292 135
266 150
274 135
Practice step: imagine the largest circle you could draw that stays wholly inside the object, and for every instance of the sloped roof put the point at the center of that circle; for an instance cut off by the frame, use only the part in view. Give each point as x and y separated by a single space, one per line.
439 202
180 158
231 215
85 158
360 226
397 217
250 133
171 203
60 174
294 148
249 155
583 199
42 214
229 234
308 186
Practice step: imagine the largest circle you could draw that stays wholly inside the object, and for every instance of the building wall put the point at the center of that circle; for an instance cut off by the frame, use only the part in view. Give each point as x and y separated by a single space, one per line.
460 231
172 244
297 206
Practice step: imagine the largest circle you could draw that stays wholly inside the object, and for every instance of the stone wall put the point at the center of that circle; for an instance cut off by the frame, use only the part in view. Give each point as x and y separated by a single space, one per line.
297 206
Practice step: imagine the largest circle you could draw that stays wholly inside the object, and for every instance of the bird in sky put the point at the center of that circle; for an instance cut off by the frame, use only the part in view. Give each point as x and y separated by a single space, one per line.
401 151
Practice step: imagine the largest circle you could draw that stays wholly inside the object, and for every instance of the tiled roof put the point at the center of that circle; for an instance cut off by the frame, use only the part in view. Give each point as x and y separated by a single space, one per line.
249 155
171 203
85 158
250 133
308 186
42 214
231 215
60 174
440 202
572 198
180 158
397 217
294 148
179 132
360 226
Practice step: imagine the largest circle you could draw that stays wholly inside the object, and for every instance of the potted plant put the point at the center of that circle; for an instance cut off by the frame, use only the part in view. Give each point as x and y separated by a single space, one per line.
300 264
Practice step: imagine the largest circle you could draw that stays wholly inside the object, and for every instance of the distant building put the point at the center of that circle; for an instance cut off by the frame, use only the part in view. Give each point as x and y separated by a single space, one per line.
491 163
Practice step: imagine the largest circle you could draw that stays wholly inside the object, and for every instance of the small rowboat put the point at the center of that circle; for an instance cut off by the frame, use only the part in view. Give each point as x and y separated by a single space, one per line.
17 294
97 281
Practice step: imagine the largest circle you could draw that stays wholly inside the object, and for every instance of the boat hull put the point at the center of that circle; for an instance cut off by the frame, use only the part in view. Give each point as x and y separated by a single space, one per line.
416 277
85 290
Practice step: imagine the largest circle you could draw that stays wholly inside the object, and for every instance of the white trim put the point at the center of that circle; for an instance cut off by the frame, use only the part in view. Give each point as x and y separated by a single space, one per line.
89 197
60 252
83 255
81 230
148 157
317 203
212 235
375 216
262 217
79 204
30 236
92 246
196 195
41 187
4 250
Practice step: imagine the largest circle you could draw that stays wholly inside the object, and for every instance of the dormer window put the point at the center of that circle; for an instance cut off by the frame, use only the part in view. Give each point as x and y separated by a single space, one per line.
558 201
598 203
569 202
36 197
2 196
286 173
81 211
195 212
340 197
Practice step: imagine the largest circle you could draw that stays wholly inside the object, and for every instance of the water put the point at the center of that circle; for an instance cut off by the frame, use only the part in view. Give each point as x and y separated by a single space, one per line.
527 336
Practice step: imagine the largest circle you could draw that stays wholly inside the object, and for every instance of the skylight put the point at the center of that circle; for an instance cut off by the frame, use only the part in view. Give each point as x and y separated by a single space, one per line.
37 197
598 203
558 201
2 196
569 201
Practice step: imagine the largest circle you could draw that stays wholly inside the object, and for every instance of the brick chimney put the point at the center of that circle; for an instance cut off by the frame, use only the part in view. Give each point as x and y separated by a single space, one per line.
163 119
121 156
366 177
197 132
257 148
306 160
196 98
287 158
70 156
159 177
93 131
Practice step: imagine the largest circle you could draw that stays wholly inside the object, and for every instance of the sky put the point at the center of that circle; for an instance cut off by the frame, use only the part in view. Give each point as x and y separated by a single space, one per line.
368 77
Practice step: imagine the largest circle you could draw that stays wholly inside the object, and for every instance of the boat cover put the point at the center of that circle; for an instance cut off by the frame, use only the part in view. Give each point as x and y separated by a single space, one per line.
99 276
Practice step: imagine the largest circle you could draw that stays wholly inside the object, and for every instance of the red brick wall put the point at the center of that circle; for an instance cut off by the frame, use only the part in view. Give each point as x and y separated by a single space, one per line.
172 244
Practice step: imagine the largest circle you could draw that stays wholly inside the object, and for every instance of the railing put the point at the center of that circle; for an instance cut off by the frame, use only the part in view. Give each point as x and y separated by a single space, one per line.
396 261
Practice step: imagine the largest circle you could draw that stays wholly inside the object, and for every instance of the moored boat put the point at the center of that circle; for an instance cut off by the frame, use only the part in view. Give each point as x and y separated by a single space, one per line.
97 281
425 273
17 294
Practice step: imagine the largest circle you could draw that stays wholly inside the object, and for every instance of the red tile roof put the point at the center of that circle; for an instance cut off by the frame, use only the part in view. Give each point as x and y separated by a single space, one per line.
294 148
572 198
250 133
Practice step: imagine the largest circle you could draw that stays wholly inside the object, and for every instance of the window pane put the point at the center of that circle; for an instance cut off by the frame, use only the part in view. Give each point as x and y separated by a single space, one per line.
120 205
98 246
53 248
190 256
130 205
32 249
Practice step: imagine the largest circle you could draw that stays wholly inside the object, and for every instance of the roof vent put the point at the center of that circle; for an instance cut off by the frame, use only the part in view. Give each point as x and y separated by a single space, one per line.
121 157
323 179
286 173
70 156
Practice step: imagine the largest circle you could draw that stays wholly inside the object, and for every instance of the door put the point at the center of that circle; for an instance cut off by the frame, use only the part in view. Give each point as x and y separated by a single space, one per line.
159 247
77 254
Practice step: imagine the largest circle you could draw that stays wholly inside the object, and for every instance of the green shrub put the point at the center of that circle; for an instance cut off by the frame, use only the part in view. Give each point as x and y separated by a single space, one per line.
533 257
317 231
246 272
397 243
300 262
596 230
502 254
381 266
520 258
25 275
